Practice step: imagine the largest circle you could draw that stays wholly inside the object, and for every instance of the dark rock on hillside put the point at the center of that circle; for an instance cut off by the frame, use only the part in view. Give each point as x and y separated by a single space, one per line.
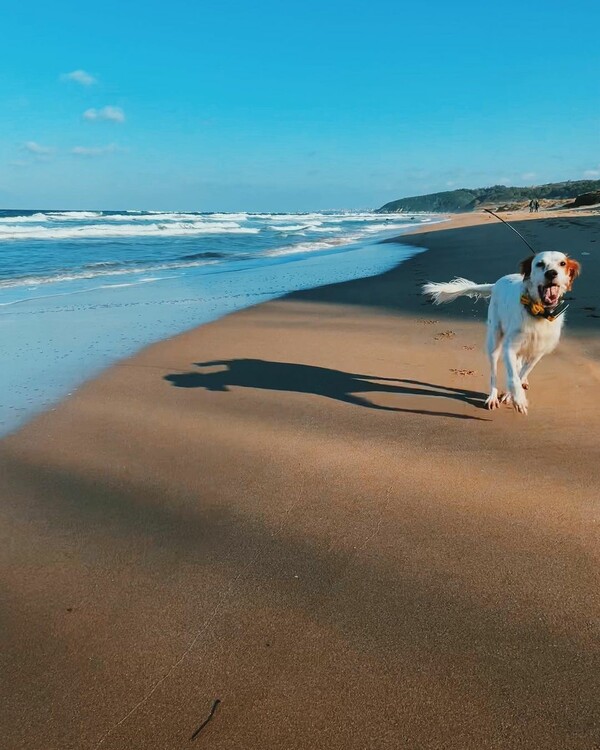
586 199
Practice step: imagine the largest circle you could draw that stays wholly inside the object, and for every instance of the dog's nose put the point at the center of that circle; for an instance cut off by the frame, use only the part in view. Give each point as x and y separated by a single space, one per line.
551 275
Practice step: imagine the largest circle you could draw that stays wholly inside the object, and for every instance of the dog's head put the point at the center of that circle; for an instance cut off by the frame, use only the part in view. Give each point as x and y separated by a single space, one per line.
548 276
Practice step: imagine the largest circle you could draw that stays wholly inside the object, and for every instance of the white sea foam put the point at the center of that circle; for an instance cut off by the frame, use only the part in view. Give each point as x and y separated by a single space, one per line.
242 216
289 227
155 216
98 231
31 281
52 216
23 219
308 247
84 290
308 218
79 215
62 216
276 222
137 282
385 227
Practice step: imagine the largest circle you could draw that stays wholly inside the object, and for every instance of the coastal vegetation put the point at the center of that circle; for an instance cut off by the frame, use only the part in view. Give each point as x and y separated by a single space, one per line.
499 196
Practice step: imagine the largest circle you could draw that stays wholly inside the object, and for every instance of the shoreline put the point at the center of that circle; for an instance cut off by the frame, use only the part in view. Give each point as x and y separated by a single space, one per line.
80 328
302 510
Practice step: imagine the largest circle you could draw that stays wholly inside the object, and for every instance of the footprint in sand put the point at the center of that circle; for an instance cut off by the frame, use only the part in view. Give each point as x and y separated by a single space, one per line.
428 322
469 348
444 335
463 372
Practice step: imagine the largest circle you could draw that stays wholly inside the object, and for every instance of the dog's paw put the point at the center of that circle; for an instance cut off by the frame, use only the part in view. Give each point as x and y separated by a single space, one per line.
492 401
520 404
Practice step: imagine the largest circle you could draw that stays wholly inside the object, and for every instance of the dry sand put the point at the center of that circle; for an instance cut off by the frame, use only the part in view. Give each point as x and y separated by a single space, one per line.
325 531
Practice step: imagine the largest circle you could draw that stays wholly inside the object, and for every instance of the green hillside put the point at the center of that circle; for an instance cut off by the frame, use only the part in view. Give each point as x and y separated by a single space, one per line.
466 199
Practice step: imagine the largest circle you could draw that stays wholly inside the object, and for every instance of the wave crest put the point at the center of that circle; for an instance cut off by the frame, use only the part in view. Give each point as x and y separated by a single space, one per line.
99 231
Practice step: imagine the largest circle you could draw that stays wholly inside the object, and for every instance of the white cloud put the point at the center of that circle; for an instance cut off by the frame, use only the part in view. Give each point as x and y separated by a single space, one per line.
36 148
592 173
111 148
18 163
109 112
528 176
79 76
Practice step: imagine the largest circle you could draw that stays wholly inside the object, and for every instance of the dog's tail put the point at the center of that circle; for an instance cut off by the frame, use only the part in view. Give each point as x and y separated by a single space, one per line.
448 291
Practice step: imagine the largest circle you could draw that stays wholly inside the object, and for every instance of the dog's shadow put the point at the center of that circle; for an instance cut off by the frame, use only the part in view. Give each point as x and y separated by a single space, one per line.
320 381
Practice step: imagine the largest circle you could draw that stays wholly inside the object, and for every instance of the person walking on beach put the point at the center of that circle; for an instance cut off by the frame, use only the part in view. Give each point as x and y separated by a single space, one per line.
536 205
531 206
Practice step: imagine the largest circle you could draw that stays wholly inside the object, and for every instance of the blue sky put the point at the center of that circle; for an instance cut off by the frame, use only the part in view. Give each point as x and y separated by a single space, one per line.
292 105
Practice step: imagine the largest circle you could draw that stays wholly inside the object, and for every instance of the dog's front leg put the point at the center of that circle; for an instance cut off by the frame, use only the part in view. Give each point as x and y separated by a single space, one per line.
494 345
527 368
513 374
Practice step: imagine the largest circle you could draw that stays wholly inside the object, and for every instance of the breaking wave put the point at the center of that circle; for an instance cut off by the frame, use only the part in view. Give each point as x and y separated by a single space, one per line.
99 231
43 247
32 281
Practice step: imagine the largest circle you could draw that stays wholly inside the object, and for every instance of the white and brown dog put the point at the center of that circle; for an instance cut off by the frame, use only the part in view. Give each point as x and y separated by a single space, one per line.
525 318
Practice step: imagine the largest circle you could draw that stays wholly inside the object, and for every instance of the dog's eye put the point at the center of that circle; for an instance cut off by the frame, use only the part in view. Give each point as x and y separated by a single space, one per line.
540 264
563 263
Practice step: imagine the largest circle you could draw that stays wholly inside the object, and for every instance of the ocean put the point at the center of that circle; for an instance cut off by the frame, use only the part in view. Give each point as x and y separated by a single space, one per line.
81 289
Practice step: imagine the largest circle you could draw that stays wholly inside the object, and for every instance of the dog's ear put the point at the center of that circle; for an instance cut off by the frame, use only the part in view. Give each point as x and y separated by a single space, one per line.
573 269
525 266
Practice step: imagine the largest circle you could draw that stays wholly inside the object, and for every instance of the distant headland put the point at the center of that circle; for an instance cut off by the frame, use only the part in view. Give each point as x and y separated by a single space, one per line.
500 197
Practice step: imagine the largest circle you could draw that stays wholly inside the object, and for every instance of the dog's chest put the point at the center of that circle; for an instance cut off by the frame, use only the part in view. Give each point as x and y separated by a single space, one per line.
539 336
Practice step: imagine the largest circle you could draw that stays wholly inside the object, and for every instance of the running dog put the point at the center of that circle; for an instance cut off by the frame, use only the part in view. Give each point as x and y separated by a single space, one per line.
525 318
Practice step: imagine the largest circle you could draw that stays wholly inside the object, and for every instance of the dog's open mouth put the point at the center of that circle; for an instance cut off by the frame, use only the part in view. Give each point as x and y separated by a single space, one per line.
549 295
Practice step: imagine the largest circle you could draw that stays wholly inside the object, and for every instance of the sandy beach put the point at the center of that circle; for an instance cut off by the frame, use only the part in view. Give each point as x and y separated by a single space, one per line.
303 511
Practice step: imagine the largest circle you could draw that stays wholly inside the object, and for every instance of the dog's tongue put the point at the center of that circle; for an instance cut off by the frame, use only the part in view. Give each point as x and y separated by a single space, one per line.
551 295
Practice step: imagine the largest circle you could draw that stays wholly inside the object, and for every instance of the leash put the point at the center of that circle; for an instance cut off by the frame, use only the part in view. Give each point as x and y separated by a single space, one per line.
510 226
